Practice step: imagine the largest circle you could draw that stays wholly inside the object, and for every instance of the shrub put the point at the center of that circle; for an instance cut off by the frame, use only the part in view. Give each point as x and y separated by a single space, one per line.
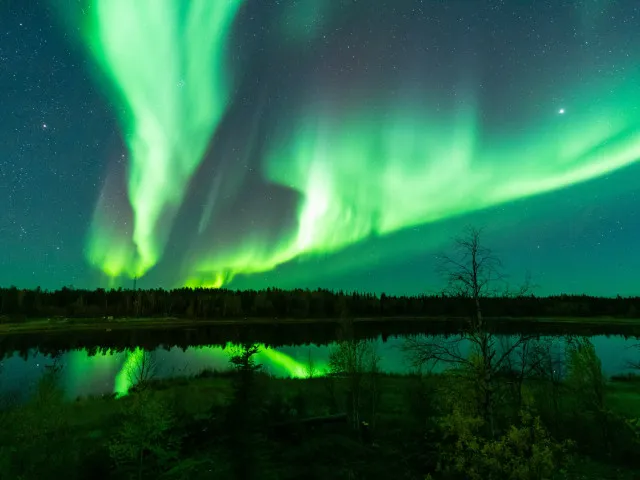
524 452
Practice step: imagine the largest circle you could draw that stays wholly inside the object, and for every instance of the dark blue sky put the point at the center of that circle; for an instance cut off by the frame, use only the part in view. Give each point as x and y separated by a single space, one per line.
60 136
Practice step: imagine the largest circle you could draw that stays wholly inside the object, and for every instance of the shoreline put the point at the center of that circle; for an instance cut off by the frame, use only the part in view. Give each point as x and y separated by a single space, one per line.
127 323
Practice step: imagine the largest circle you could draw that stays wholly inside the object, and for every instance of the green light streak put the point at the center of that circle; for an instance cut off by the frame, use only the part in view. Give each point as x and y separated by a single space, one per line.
251 255
110 247
123 380
366 172
269 357
361 177
289 365
164 60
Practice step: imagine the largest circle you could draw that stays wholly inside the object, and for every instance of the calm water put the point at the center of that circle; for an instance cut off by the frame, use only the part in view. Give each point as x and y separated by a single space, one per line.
83 374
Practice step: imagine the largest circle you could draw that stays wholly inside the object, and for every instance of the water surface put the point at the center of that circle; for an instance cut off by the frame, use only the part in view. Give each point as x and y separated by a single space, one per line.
105 372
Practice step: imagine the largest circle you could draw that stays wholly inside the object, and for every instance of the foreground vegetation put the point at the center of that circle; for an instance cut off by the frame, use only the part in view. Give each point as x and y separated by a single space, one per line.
559 419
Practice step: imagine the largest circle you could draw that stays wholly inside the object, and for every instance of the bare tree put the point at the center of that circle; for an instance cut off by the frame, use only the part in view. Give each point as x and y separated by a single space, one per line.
586 380
374 384
351 360
357 362
550 366
311 370
144 369
525 361
472 273
635 363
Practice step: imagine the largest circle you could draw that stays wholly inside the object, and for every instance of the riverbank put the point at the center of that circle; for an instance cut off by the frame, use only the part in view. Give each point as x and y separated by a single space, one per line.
61 324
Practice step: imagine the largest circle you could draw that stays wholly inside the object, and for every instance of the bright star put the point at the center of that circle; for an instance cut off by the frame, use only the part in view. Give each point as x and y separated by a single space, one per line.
561 111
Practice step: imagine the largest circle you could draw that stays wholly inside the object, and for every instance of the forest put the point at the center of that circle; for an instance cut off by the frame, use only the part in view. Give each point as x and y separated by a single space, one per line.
207 304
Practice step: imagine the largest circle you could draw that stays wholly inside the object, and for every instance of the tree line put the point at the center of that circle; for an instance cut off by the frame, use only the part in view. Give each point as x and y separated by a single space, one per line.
201 303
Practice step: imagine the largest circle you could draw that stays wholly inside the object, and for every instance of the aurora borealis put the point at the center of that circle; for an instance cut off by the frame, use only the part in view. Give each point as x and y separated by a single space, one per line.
166 63
315 143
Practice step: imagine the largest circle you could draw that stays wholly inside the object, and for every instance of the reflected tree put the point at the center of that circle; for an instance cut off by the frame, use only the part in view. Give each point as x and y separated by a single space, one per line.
143 370
244 443
588 384
357 363
311 370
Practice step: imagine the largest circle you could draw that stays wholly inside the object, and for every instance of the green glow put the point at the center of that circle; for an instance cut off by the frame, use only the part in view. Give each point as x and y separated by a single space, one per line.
291 366
165 63
361 170
83 367
123 378
361 177
110 247
366 172
251 255
274 359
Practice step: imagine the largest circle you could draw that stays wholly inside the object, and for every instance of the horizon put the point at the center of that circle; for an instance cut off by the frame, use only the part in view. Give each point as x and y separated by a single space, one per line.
503 296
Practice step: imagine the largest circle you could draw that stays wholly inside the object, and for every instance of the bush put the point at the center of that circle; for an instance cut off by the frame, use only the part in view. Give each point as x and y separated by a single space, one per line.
144 441
524 452
36 440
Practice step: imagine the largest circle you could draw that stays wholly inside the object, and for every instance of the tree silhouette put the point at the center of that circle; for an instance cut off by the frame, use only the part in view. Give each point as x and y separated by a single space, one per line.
472 273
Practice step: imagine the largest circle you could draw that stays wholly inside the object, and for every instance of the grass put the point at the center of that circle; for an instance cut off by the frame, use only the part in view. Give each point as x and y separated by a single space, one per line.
196 399
208 390
626 377
624 397
43 325
40 325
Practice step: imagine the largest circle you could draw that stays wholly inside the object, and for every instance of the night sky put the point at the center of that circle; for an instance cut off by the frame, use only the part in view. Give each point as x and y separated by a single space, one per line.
318 143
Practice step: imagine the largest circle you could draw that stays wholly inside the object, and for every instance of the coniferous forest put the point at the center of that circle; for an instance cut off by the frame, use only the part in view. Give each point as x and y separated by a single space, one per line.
21 304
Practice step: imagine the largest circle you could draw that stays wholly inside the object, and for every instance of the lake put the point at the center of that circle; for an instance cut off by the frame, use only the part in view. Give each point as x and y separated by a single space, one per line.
90 372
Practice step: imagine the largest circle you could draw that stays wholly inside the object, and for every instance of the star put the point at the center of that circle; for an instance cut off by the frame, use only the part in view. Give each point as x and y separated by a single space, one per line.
561 111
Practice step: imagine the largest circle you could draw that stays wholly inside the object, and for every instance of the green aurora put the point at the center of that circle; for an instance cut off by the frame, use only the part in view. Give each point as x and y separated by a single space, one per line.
361 169
365 174
165 64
